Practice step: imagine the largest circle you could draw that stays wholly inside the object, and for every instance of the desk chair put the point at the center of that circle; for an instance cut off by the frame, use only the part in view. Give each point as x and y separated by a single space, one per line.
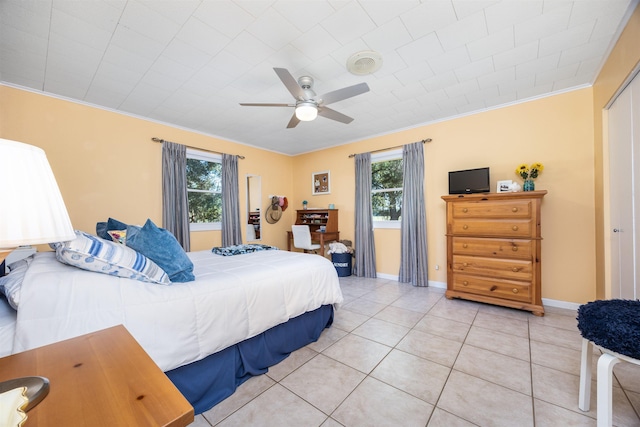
302 238
613 326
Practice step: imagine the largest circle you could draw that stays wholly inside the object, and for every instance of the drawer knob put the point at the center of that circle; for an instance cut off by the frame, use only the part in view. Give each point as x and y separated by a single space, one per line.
465 283
465 210
515 290
514 228
514 248
514 210
514 269
464 245
464 227
464 264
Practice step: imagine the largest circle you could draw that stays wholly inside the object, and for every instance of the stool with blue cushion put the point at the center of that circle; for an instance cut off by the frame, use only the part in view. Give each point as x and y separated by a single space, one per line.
612 326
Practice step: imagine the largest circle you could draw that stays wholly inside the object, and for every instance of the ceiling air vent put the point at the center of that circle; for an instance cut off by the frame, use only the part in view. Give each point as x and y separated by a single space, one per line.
365 62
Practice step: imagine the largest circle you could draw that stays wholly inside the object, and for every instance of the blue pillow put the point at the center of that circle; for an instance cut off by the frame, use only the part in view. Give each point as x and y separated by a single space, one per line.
160 246
102 228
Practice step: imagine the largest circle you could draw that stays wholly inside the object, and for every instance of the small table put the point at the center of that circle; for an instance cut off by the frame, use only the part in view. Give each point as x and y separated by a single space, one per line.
316 236
100 379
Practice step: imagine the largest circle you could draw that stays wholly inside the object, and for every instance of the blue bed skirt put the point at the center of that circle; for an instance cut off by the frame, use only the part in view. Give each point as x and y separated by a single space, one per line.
209 381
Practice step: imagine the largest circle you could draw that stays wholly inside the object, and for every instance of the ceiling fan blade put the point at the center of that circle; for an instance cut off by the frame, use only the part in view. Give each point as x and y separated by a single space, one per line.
334 115
249 104
293 122
344 93
290 82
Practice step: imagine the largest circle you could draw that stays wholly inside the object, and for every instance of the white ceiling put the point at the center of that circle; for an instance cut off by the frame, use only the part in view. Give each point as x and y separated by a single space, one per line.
189 63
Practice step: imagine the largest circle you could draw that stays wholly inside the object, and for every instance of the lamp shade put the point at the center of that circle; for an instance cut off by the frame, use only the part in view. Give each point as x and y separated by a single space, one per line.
31 209
306 111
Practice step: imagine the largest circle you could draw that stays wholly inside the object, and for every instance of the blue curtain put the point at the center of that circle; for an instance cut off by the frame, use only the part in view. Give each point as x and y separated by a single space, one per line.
413 240
231 231
175 205
365 250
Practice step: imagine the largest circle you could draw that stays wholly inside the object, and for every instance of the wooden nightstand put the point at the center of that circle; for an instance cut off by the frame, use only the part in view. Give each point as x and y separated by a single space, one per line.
100 379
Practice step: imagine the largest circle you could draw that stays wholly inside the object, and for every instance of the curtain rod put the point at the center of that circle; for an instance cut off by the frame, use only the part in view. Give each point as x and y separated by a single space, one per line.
391 148
195 148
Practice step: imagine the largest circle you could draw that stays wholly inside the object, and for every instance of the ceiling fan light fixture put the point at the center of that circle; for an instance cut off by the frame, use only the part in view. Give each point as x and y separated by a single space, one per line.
306 111
307 104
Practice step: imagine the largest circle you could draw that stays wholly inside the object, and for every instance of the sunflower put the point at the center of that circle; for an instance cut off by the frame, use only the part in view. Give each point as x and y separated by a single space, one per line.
536 169
523 171
532 171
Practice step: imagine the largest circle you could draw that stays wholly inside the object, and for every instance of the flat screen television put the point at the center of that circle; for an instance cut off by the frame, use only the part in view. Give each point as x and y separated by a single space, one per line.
469 181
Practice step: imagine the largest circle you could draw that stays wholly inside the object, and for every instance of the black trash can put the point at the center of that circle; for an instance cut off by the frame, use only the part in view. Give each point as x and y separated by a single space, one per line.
342 263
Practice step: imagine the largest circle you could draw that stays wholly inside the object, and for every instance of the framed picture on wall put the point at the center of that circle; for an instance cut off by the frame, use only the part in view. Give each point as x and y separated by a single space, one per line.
321 183
503 186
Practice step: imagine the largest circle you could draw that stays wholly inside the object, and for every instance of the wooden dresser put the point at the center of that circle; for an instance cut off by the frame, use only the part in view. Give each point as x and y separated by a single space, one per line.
493 249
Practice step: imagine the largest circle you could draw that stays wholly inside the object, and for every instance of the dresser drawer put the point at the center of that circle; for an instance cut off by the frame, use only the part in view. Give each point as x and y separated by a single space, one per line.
497 248
500 268
493 228
493 209
505 289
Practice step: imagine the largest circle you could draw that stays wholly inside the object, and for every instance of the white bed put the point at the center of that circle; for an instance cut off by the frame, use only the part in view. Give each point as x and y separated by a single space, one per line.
7 327
233 298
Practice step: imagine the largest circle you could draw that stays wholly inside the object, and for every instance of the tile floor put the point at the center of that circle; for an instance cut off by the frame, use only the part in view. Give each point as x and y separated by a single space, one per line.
397 355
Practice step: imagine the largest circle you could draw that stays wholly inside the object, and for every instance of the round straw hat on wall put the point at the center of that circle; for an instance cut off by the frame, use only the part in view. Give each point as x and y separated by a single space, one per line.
274 211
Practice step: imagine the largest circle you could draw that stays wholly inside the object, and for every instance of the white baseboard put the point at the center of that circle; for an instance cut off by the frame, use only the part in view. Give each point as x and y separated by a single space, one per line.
560 304
440 285
432 283
443 285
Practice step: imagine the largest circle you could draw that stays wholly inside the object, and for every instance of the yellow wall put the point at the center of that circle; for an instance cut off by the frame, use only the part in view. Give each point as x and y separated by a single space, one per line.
107 166
557 131
623 59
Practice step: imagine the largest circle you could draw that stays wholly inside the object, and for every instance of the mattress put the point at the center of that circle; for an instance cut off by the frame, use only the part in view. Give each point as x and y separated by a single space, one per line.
232 299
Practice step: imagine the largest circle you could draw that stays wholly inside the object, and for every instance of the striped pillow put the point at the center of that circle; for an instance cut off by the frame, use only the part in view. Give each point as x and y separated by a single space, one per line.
102 256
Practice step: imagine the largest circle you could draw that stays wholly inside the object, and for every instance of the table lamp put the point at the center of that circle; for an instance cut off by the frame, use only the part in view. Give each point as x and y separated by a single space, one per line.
31 209
31 212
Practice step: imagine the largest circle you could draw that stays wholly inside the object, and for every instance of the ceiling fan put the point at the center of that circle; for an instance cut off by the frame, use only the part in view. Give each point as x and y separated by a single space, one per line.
308 105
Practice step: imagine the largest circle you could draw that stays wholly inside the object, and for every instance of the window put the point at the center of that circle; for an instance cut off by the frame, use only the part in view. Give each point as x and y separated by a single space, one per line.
204 190
386 189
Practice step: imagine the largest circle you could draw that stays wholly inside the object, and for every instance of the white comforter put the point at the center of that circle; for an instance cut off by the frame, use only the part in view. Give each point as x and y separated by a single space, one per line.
233 298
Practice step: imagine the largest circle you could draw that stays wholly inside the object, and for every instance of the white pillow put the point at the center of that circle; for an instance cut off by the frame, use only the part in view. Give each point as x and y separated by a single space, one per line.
102 256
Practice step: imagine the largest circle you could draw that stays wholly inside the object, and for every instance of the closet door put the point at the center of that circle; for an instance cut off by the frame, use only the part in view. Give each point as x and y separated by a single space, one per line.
635 124
624 143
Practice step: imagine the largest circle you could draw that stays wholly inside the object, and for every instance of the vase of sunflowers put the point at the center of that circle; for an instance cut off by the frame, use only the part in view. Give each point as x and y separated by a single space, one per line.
528 185
529 173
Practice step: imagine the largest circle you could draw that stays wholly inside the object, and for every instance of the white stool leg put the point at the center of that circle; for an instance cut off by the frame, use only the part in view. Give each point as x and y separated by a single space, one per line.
584 401
605 389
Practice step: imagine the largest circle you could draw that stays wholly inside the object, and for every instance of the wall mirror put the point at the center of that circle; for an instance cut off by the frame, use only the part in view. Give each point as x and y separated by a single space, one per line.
254 213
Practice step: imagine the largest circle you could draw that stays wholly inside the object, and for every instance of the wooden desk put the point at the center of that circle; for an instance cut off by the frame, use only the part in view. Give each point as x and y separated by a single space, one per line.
316 236
100 379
